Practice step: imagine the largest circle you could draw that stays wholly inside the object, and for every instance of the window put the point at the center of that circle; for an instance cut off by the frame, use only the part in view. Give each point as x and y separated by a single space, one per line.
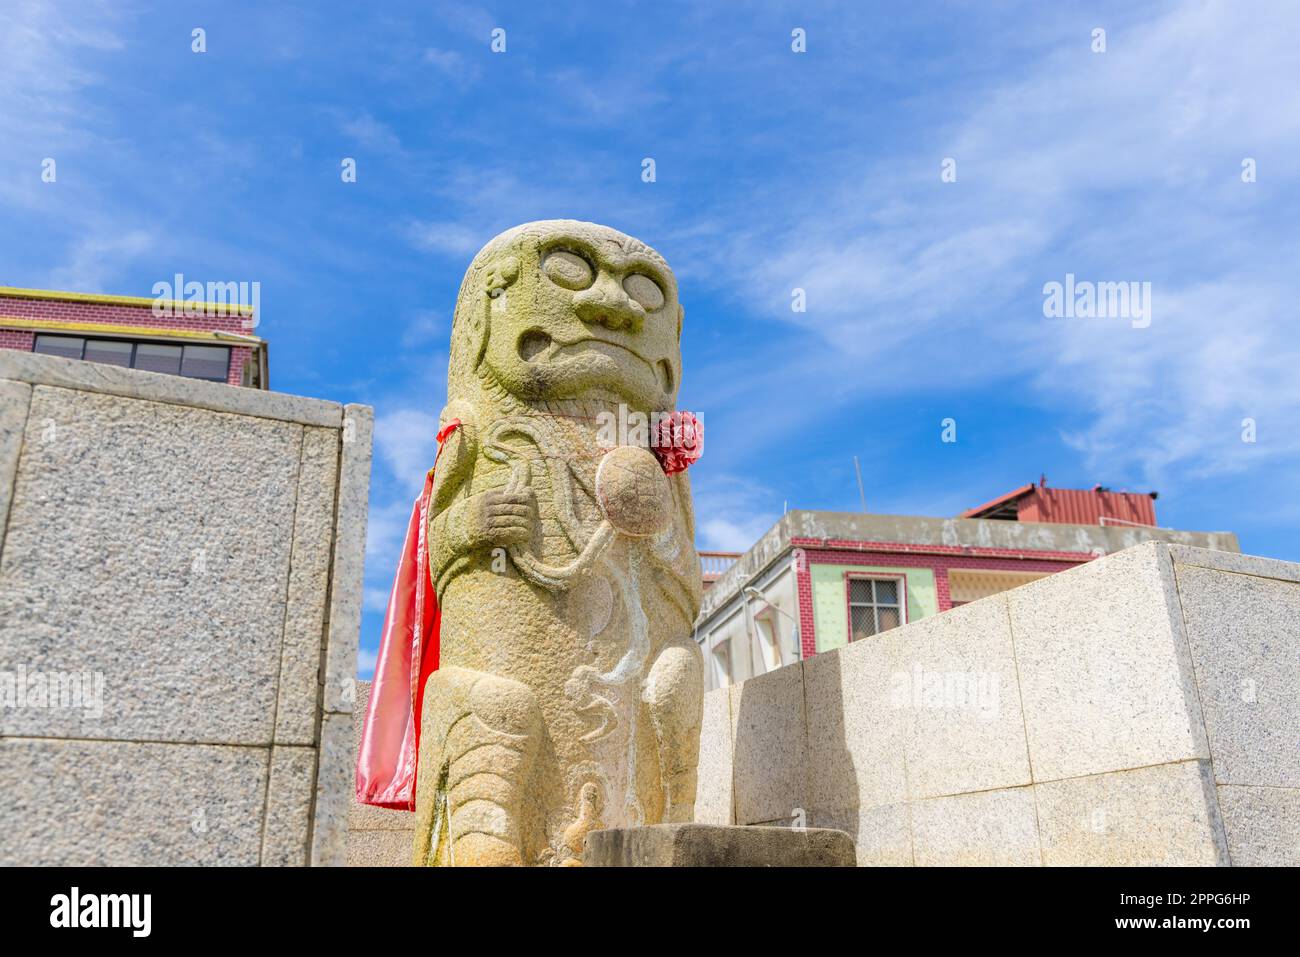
875 605
205 362
768 631
971 584
195 362
156 357
108 351
69 347
722 663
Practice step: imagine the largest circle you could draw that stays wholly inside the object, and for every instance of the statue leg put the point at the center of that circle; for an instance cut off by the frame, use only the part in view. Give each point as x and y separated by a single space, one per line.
674 695
478 738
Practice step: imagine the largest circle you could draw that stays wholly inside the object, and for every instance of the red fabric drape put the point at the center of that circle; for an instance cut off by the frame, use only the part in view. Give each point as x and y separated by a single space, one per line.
408 654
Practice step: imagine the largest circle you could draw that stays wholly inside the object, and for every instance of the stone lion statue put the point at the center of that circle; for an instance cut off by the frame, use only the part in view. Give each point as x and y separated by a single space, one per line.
569 692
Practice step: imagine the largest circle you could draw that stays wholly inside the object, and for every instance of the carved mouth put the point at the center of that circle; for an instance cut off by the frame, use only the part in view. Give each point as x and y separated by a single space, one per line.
537 346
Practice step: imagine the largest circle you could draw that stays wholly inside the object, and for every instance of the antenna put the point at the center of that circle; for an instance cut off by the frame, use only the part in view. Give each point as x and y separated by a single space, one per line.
861 494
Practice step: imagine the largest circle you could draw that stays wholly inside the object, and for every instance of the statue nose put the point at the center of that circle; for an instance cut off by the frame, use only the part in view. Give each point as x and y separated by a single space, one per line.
606 304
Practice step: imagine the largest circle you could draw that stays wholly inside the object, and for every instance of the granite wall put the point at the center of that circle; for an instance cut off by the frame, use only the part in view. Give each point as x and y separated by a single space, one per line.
1141 709
180 598
377 837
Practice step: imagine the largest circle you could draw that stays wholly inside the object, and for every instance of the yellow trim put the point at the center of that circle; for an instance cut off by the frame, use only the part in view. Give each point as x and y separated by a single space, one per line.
144 332
209 308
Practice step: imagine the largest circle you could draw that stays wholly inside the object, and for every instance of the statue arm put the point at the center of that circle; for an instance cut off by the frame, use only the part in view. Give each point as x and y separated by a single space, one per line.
461 523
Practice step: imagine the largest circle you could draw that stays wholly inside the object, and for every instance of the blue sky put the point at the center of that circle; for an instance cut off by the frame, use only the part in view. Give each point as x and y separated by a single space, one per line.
775 170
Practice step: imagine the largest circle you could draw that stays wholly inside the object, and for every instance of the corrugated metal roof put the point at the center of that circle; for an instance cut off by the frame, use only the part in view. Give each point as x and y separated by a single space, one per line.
1000 500
1069 506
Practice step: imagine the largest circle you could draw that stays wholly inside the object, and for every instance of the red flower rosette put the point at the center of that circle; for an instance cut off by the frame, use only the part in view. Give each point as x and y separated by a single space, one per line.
680 442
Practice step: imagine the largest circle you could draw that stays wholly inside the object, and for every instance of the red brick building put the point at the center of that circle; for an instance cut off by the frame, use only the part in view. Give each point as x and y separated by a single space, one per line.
196 339
818 580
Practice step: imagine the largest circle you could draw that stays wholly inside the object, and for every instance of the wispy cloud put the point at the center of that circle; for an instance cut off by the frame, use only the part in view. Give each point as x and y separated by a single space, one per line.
731 512
405 441
447 238
453 65
371 133
1118 166
41 66
98 260
366 658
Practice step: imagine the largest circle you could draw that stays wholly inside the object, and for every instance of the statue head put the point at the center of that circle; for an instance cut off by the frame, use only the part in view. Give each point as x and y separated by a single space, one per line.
561 309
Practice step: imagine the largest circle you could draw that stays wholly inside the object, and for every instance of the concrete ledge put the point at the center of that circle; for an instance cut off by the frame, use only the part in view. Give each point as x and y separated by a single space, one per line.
715 845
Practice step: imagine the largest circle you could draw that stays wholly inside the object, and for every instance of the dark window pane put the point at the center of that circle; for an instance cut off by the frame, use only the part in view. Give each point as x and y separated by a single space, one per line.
206 362
862 623
152 357
888 618
886 592
66 346
860 590
106 350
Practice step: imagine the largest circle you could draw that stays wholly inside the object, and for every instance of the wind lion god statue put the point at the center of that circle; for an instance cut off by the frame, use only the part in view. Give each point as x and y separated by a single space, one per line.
558 531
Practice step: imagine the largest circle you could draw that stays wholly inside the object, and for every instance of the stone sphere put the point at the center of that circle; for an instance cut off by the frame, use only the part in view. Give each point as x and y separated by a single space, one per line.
633 491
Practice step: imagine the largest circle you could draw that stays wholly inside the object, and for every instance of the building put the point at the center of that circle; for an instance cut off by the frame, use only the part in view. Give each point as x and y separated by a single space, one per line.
818 580
200 340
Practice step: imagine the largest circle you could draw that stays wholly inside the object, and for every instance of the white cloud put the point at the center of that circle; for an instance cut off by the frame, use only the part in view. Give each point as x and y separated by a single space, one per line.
385 533
450 238
406 440
405 447
366 658
371 133
97 260
425 327
452 65
44 74
731 513
42 57
376 599
1119 166
730 535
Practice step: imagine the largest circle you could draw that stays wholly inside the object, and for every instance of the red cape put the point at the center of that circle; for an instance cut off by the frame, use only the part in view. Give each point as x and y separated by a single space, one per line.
408 654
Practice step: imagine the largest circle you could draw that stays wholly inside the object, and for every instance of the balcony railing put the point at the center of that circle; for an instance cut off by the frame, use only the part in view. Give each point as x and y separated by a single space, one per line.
715 564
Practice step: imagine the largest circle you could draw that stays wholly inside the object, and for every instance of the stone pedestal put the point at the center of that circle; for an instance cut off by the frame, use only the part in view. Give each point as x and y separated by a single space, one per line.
718 845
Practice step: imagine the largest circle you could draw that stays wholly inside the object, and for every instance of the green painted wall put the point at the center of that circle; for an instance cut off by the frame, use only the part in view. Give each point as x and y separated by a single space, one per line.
830 611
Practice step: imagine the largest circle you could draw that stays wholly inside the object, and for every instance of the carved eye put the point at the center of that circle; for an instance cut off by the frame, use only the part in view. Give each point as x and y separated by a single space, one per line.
645 291
568 270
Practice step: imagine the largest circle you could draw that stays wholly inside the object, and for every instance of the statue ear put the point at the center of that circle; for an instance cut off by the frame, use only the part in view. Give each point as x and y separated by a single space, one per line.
681 314
482 321
501 274
497 277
